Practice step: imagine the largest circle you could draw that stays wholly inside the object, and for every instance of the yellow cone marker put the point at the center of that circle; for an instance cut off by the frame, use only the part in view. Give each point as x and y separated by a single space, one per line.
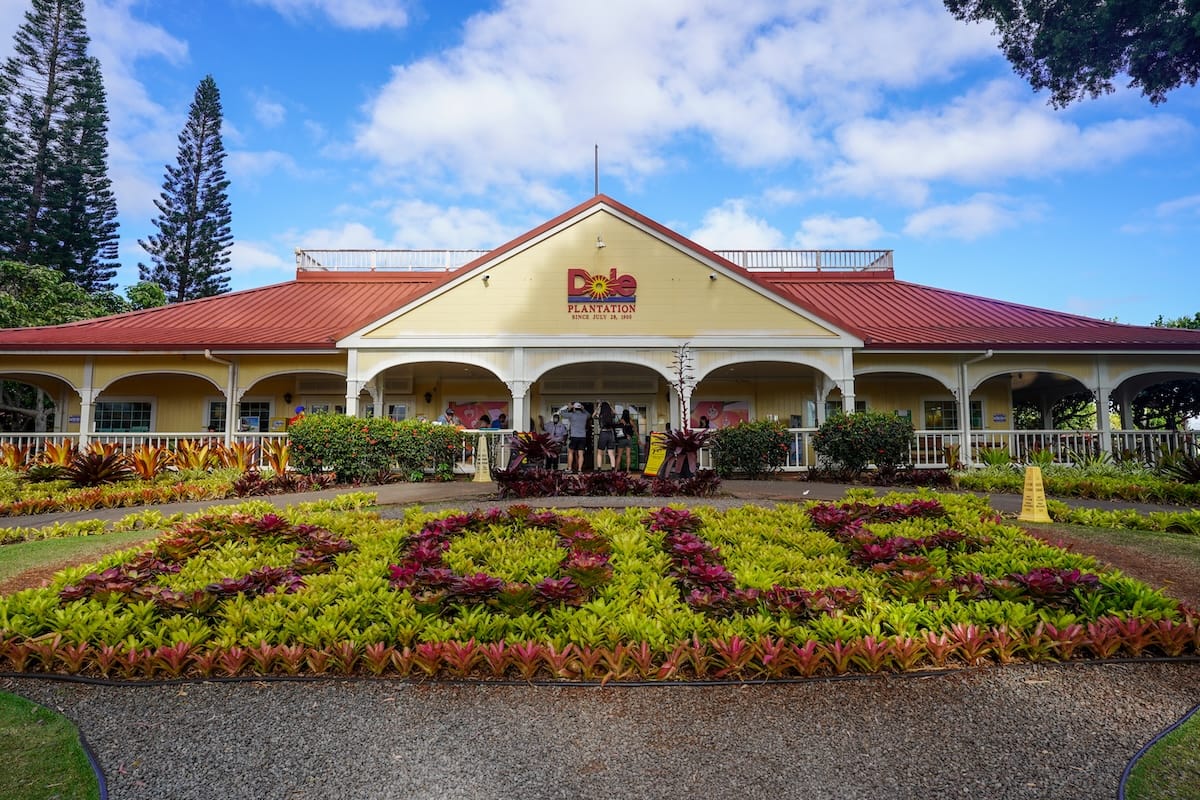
1033 498
483 470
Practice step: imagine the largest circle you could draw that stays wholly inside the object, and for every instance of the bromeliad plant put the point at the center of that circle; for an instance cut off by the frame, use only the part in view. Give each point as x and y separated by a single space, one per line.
903 583
434 585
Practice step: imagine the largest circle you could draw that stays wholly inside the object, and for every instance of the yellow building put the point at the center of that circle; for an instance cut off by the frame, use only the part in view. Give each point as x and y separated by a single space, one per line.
598 303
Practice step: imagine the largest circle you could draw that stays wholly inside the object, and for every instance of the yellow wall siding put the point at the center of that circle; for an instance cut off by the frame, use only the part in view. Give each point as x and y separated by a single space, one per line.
910 394
109 369
527 294
256 368
45 372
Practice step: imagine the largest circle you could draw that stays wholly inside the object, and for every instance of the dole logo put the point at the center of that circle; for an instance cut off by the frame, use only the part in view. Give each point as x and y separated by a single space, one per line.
584 287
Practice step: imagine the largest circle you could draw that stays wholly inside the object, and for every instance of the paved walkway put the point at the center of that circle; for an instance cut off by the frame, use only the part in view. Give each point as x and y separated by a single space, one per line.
782 490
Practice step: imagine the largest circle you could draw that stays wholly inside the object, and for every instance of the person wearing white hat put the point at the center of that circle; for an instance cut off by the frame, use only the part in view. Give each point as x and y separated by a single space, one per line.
577 420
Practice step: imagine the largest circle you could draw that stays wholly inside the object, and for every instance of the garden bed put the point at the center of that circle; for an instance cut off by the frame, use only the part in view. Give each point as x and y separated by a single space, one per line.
663 594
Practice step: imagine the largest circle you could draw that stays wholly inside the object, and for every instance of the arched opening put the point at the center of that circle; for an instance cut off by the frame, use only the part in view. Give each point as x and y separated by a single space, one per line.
31 403
638 389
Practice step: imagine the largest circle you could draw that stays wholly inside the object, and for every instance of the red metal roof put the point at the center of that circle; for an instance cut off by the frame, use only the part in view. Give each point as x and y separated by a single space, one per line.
318 308
886 313
309 313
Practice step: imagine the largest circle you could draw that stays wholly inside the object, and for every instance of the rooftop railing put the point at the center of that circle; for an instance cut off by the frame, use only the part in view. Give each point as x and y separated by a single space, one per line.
447 260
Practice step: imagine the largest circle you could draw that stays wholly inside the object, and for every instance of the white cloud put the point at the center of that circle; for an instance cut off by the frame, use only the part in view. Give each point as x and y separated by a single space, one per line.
987 135
251 165
536 82
979 216
827 232
1183 206
260 261
1166 217
351 236
359 14
421 225
731 227
269 113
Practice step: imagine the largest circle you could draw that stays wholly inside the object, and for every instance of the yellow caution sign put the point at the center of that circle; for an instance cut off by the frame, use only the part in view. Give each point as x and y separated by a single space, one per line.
1033 498
657 455
483 469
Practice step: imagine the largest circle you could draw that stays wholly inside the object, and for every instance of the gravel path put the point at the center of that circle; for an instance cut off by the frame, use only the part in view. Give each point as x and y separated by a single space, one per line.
1064 731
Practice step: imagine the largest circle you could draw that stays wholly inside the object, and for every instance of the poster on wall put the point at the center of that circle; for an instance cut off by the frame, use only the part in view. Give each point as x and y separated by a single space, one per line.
470 412
719 413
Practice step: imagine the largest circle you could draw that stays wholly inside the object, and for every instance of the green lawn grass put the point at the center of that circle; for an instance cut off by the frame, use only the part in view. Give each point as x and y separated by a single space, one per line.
42 755
16 558
1170 770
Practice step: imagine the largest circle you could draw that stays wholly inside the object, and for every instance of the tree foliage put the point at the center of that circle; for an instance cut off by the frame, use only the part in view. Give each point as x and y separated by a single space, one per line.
56 201
191 249
1192 322
31 295
1076 48
1074 412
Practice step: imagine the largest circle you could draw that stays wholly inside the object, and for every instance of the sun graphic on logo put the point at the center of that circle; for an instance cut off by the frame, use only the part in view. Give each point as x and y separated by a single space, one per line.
598 287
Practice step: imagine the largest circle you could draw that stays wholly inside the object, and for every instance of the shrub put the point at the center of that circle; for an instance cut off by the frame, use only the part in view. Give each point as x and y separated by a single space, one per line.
421 445
361 449
850 443
352 448
751 448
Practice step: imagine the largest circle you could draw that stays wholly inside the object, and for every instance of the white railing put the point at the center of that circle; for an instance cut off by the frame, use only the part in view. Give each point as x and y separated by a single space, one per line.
1067 447
384 260
809 260
446 260
931 449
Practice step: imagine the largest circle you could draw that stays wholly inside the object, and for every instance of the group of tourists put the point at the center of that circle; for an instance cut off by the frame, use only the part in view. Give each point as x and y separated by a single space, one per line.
616 446
616 442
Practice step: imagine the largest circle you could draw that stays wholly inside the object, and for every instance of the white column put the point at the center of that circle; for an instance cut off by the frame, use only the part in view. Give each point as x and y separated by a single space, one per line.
520 404
821 387
1125 398
354 383
847 387
1103 422
87 401
375 389
353 390
846 384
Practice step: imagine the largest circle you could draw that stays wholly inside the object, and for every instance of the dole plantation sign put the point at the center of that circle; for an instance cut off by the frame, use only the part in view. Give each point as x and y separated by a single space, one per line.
600 296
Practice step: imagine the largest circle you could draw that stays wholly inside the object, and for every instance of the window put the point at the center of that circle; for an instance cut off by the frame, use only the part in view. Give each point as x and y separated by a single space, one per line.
126 416
833 407
942 415
253 415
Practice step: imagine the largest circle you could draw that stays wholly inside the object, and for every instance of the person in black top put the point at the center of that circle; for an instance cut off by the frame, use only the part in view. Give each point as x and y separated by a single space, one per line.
607 445
626 436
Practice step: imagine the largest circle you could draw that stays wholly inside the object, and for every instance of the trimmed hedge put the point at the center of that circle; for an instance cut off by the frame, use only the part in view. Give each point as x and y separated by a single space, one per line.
849 443
360 449
752 449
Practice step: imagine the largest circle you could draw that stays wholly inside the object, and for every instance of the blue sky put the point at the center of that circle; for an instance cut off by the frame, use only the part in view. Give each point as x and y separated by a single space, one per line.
748 124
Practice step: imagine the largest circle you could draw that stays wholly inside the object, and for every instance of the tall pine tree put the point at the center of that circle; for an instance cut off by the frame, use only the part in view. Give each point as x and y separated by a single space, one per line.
86 248
191 249
40 81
